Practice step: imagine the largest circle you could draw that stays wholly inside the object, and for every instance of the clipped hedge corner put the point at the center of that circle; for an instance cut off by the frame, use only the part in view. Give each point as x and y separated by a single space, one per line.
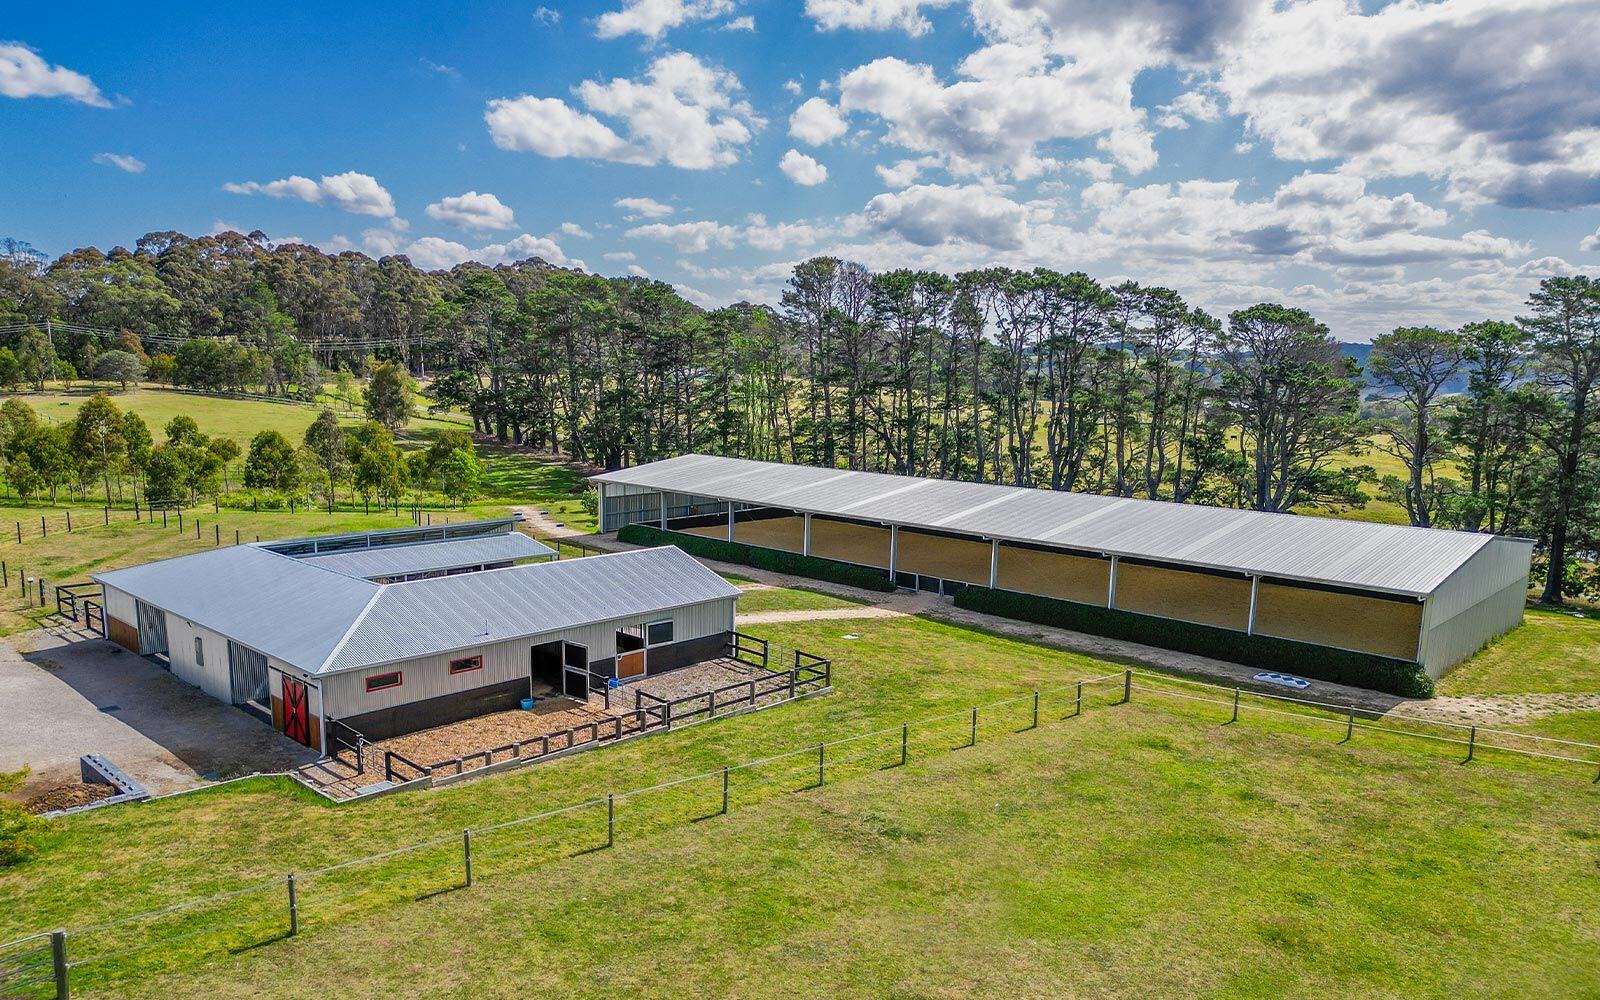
1379 673
774 560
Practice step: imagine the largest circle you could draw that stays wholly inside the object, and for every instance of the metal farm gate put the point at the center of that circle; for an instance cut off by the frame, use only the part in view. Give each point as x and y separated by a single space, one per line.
152 628
248 670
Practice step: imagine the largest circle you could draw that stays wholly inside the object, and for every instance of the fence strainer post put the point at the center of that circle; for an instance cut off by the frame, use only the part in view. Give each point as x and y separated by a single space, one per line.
294 909
59 964
466 854
724 790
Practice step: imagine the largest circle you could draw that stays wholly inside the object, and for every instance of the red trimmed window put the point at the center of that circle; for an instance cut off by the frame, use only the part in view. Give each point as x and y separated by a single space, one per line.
380 682
466 664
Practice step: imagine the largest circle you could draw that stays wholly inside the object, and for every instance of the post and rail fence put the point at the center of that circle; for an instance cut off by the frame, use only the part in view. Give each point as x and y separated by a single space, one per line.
283 906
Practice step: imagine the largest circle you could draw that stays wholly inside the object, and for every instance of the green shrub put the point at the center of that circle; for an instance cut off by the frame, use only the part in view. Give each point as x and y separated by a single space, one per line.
1379 673
775 560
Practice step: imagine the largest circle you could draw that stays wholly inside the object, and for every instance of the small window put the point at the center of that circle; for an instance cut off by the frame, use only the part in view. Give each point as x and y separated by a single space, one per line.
658 633
199 652
379 682
465 664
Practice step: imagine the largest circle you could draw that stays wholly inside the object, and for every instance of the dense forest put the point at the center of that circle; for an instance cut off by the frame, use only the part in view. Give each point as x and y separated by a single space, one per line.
1042 377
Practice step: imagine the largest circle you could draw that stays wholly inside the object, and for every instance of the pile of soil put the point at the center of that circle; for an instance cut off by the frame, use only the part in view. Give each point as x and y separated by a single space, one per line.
68 796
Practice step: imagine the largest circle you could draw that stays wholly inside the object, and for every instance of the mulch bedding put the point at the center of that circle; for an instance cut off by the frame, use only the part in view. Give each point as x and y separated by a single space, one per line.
554 715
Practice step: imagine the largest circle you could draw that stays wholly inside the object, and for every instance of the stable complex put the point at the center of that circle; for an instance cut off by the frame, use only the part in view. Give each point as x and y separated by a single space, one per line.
1410 594
395 631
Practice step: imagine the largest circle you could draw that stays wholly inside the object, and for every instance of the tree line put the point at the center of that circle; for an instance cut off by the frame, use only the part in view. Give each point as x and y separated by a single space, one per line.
1036 378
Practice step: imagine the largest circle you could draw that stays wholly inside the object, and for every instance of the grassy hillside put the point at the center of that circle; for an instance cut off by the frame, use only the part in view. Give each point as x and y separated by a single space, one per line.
511 476
1137 850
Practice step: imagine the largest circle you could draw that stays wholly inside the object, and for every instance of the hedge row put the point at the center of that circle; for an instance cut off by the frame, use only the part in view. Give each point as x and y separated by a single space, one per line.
1379 673
761 558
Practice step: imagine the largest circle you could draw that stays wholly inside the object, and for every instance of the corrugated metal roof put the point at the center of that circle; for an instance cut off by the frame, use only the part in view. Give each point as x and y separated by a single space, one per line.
269 602
322 621
456 612
426 557
1382 557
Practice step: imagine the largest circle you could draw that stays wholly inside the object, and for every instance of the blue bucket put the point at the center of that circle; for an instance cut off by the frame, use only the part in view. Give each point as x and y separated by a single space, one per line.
528 703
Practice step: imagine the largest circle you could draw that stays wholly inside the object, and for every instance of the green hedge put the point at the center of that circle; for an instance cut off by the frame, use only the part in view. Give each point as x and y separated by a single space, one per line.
1379 673
769 559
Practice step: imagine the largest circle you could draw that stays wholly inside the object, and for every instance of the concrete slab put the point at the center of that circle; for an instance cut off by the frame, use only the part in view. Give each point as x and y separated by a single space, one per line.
66 697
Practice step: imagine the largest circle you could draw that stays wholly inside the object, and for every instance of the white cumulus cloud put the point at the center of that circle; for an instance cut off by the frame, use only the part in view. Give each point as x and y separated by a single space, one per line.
683 112
688 237
654 18
879 15
473 211
816 122
802 169
24 74
351 191
643 208
433 253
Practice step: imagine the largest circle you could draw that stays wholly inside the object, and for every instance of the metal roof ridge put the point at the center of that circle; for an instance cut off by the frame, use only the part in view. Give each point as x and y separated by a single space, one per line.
349 630
1012 493
1082 519
880 497
838 475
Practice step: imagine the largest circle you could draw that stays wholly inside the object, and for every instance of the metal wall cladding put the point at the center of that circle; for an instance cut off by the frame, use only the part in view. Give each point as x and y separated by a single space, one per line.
118 604
474 609
429 676
1447 644
1387 558
426 557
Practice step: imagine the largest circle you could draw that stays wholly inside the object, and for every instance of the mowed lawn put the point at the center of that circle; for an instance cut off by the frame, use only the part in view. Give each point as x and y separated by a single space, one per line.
1136 850
1553 658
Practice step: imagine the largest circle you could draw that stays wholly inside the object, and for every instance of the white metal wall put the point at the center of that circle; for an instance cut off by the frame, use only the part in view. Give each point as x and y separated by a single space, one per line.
213 676
119 605
1480 600
429 676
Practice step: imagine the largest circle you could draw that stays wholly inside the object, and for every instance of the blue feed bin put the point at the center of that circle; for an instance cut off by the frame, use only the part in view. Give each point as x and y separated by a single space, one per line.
528 703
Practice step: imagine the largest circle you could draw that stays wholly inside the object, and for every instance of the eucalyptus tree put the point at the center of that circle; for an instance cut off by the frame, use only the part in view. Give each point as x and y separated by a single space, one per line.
1563 327
1294 397
1417 361
1494 427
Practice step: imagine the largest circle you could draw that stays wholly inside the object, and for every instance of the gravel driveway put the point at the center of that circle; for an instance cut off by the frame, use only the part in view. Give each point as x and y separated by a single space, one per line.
65 698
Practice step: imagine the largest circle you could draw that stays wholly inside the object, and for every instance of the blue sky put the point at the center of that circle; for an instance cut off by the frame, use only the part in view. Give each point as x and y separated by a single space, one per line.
1379 164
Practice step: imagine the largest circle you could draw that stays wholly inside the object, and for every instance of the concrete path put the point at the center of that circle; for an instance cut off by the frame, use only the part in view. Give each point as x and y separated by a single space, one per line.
69 696
545 525
1498 709
773 617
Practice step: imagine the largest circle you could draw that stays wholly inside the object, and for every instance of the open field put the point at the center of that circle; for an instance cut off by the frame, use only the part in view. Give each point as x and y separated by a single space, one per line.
1143 849
511 475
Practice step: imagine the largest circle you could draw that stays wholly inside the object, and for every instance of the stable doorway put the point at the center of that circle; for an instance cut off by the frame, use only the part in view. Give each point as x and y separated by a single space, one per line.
545 669
630 653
